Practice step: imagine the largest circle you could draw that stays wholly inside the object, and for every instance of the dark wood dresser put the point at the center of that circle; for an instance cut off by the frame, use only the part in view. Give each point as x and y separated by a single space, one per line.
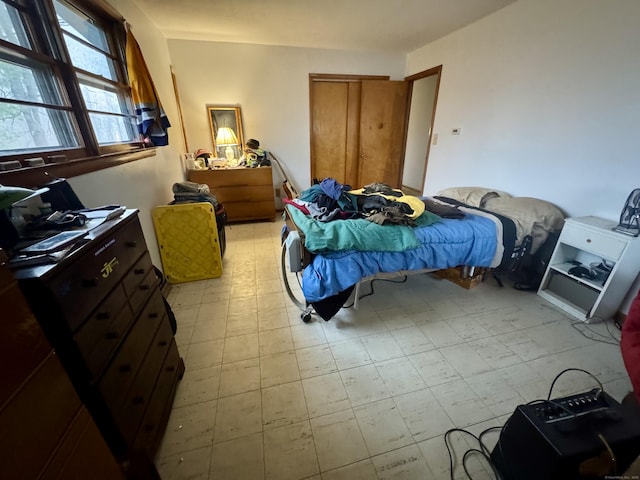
46 432
103 312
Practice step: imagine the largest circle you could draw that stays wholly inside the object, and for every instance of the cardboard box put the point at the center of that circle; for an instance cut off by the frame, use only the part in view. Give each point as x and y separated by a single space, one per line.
457 276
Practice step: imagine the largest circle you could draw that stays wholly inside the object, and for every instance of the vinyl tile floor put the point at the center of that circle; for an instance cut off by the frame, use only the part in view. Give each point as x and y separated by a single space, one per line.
370 393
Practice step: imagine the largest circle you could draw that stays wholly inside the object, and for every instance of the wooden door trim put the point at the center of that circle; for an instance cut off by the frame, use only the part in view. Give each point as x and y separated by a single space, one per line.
336 77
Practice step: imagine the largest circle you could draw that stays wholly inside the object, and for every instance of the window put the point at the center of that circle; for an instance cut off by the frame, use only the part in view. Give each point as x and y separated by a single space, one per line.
64 93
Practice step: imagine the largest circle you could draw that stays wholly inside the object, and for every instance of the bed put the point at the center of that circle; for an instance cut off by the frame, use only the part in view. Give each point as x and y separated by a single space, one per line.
331 253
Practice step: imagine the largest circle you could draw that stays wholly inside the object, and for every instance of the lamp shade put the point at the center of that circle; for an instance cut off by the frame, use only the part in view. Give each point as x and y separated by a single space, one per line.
226 136
12 195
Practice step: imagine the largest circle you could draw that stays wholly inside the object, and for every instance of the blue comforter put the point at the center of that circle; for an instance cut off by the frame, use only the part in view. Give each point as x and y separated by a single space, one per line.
447 243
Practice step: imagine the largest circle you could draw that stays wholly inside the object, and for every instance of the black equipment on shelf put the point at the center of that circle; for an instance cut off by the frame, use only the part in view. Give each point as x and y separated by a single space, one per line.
630 215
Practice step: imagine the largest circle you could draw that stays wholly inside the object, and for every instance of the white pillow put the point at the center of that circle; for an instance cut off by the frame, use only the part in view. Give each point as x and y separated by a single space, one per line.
473 196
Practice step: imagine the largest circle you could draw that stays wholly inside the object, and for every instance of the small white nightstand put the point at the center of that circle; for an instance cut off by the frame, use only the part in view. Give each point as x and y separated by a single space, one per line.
588 240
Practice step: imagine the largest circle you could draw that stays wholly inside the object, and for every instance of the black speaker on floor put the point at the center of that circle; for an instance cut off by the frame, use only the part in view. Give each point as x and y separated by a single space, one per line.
584 436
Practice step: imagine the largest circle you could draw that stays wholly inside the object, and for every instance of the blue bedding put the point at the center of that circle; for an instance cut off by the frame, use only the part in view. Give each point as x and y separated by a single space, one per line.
447 243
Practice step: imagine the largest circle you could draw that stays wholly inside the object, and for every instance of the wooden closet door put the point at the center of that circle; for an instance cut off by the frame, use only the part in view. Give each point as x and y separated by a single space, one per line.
383 117
335 111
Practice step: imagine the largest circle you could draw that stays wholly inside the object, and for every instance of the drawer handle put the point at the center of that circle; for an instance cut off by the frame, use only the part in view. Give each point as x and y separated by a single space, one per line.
162 343
153 315
131 243
103 316
124 368
171 368
149 428
588 240
89 282
145 287
138 400
138 271
111 335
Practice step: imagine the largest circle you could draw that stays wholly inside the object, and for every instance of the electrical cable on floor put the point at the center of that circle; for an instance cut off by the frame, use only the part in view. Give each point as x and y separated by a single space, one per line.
604 338
372 291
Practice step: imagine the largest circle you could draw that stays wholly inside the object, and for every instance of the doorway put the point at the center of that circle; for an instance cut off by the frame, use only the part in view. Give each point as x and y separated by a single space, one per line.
423 88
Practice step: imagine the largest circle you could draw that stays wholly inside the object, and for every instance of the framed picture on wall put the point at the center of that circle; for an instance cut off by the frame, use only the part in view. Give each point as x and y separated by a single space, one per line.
226 131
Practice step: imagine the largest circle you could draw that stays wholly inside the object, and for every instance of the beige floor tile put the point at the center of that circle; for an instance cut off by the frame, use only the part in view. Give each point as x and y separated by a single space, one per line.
238 416
440 334
189 428
241 347
406 463
238 459
411 340
204 354
242 324
244 305
424 416
399 376
465 360
325 394
461 403
283 405
192 465
338 440
363 470
207 330
307 335
278 368
212 311
271 301
270 318
289 452
275 341
350 353
363 385
433 368
239 377
382 427
382 347
315 361
198 385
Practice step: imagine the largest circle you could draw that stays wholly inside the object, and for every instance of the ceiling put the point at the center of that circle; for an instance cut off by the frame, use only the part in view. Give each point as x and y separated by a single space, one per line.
392 26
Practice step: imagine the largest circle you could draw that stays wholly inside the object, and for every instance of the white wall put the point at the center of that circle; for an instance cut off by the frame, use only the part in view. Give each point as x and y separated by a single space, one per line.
271 86
546 93
145 183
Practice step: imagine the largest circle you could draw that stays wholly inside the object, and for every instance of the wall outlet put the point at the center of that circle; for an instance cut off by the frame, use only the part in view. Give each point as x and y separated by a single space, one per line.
456 131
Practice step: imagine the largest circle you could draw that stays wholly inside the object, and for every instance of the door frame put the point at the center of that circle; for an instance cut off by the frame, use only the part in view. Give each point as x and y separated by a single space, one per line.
411 78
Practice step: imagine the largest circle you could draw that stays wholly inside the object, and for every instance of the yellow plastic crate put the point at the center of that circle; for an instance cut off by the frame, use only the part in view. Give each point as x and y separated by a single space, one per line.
188 241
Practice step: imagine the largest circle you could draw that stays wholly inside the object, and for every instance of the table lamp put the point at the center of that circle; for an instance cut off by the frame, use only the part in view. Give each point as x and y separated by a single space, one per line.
227 138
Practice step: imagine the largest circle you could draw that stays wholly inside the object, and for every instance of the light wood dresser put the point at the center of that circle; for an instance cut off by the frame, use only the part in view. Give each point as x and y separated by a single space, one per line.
245 193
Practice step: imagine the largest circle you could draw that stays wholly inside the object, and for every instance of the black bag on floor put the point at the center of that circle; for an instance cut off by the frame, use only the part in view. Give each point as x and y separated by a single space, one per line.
170 314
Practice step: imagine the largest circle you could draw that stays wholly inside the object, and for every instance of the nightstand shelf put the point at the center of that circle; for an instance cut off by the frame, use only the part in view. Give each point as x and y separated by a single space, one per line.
585 241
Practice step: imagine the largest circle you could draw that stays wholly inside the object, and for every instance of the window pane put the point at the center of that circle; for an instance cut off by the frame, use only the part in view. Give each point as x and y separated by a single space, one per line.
11 27
24 128
102 99
75 22
27 83
113 129
86 58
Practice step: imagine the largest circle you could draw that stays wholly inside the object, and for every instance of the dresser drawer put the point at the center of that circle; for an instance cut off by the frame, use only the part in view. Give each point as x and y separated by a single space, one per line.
157 413
83 454
41 410
82 286
232 177
244 194
130 413
250 210
101 334
123 369
23 346
597 243
139 282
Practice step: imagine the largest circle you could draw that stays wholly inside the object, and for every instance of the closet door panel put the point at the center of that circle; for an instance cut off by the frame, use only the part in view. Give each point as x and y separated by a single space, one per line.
383 115
329 106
